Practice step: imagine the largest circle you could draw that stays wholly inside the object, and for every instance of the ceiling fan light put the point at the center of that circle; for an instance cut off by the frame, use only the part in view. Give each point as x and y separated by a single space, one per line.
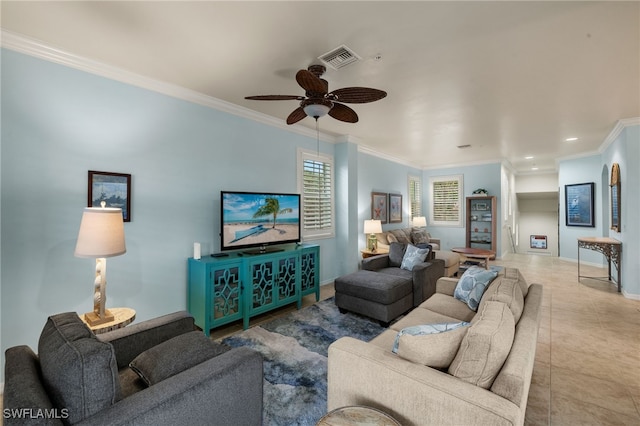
316 110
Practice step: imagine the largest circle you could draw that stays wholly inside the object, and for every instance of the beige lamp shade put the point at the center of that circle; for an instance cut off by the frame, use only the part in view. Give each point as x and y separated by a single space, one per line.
101 233
419 221
372 226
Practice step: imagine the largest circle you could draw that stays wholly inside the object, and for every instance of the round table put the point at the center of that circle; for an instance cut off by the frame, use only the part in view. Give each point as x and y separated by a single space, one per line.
355 415
475 253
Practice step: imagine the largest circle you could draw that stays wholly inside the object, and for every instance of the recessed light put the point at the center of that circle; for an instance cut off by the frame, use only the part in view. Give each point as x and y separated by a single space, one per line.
529 157
534 168
571 139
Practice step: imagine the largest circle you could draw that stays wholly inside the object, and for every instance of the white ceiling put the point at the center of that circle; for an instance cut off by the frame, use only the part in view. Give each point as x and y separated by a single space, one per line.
512 79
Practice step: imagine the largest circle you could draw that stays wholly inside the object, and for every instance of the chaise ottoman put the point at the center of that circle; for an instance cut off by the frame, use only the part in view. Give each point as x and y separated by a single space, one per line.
379 296
451 261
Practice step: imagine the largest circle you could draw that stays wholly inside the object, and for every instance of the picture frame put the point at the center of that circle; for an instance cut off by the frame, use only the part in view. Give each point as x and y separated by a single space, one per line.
395 208
579 204
379 206
538 242
481 206
112 188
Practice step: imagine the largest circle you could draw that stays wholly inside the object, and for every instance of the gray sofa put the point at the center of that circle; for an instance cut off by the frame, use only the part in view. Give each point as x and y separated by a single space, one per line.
420 236
80 378
477 387
383 290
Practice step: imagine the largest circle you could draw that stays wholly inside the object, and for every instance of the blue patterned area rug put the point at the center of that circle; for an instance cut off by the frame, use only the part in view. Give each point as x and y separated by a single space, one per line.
294 348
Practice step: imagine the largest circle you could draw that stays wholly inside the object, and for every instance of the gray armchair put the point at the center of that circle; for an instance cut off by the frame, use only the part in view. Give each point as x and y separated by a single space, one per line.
80 378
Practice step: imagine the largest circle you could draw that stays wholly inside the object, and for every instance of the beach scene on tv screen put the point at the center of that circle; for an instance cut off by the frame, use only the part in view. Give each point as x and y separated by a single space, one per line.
255 219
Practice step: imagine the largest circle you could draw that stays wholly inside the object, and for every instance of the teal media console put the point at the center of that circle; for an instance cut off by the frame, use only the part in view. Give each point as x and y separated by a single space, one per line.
240 286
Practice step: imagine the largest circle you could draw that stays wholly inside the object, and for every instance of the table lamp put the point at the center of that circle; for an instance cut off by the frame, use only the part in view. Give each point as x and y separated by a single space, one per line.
101 235
420 221
372 227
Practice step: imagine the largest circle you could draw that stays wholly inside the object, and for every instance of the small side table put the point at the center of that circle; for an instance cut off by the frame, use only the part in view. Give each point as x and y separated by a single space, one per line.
354 415
122 318
368 253
473 253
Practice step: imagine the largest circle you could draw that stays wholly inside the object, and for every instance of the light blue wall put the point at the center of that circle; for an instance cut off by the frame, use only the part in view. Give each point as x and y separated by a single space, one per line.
58 123
487 176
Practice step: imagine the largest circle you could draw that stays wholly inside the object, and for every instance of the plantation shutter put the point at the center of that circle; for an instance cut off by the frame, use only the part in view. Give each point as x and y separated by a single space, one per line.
317 196
446 200
415 196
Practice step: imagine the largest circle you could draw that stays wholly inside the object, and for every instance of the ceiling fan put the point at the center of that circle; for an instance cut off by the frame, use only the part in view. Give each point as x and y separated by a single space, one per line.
318 101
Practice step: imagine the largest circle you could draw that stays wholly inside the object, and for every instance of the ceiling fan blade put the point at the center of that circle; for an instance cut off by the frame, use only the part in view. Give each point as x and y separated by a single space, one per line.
297 115
310 82
275 98
357 95
343 113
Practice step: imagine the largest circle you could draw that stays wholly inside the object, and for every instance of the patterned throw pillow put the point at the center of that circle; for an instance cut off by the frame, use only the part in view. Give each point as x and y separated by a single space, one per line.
413 256
419 236
434 345
472 285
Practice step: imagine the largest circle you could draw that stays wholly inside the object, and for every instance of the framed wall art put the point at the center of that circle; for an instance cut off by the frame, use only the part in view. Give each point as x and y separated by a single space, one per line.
395 208
379 206
538 242
112 188
579 201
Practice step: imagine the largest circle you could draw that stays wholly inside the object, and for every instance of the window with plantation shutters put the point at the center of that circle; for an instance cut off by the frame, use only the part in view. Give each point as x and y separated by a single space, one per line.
415 196
446 200
315 183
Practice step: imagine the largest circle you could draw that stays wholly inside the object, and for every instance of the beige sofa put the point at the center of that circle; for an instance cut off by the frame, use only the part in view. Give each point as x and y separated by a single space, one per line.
369 374
416 236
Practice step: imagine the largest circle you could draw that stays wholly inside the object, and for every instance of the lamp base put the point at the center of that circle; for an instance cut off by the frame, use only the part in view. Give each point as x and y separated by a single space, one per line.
94 319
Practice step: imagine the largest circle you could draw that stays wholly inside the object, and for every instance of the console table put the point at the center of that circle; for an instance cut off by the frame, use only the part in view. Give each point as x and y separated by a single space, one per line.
239 286
609 247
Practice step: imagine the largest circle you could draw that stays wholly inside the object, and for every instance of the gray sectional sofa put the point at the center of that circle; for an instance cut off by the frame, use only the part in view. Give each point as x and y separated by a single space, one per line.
483 378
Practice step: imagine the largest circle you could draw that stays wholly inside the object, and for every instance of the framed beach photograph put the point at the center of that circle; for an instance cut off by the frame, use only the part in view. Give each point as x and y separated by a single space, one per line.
579 200
112 188
395 208
379 206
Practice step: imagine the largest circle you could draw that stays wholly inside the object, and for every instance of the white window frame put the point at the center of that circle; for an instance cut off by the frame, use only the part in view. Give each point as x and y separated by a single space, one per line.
329 231
415 202
455 200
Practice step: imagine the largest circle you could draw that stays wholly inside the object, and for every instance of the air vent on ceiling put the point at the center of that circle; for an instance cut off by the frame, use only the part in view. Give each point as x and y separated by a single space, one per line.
464 146
339 57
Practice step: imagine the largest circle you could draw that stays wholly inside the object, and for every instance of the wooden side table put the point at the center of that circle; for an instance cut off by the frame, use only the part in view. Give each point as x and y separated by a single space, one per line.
357 415
473 253
368 253
122 318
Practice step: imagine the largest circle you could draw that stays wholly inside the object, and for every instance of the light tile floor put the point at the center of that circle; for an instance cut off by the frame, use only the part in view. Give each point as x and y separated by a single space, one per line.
587 368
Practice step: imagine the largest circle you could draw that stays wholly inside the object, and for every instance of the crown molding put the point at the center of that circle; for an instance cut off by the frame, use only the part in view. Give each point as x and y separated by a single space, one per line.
617 129
366 150
36 48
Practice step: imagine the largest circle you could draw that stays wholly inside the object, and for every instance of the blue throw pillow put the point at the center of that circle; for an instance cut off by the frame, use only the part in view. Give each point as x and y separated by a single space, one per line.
472 285
413 256
422 330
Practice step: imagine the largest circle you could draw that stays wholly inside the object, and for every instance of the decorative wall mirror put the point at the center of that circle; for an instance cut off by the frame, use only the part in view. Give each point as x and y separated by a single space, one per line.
615 197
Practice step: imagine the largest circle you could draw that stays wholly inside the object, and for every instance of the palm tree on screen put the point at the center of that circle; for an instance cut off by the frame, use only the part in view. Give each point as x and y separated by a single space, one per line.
271 207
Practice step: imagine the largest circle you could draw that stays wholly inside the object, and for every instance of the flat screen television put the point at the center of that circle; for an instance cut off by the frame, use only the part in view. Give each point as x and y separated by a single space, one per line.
258 220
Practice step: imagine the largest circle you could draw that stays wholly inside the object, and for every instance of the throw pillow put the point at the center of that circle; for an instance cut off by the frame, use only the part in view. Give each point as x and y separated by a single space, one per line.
174 356
402 235
79 372
472 284
419 236
485 346
413 256
433 345
396 254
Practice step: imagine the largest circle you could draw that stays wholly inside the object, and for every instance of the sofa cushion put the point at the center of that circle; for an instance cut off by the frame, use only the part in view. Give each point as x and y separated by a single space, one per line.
396 254
450 306
507 291
380 287
472 285
514 273
413 256
485 346
402 235
433 345
174 356
422 316
79 372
